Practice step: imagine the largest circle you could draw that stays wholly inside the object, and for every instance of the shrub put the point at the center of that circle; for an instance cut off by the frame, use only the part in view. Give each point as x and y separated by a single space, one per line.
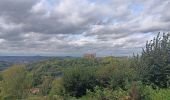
57 90
147 92
76 80
104 75
105 94
122 75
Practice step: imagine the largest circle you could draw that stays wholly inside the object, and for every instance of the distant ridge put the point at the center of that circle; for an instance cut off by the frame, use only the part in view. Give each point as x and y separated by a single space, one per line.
23 59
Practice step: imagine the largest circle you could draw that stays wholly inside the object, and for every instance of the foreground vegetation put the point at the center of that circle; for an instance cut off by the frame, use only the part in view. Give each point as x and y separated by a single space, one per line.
142 77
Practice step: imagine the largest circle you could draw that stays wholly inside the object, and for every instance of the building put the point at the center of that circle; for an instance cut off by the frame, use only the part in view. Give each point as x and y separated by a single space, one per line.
35 90
89 55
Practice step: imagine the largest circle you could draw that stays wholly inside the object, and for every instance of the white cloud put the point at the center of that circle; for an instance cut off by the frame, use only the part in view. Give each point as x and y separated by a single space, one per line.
74 27
40 8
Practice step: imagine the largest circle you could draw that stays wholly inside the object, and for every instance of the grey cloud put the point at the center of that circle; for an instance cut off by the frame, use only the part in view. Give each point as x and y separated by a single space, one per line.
16 10
112 25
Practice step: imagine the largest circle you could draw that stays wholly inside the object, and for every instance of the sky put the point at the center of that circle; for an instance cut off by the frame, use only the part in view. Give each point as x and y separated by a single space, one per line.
76 27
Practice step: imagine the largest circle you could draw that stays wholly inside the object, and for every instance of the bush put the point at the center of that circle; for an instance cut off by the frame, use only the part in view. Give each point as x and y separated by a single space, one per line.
122 75
100 93
147 92
57 90
76 80
104 75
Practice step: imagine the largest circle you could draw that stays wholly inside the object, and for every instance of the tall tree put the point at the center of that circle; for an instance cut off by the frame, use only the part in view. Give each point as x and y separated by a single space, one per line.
156 61
15 83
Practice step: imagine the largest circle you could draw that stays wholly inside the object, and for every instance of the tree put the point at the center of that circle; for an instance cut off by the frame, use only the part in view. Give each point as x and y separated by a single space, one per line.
16 83
46 85
155 60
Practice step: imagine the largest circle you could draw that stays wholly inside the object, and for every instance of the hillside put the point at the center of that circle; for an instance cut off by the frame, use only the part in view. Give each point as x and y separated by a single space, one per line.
141 77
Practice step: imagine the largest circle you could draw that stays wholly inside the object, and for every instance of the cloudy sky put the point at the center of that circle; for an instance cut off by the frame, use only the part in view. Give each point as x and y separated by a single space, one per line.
75 27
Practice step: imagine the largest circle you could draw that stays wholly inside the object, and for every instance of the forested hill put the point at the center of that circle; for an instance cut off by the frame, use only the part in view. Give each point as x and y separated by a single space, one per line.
23 59
142 77
8 61
4 65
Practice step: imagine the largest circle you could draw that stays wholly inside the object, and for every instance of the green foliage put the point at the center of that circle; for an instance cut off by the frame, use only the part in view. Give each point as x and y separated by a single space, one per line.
15 84
57 87
122 75
161 94
57 90
43 69
4 65
46 85
76 80
154 63
104 75
105 94
147 92
56 67
36 98
142 77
